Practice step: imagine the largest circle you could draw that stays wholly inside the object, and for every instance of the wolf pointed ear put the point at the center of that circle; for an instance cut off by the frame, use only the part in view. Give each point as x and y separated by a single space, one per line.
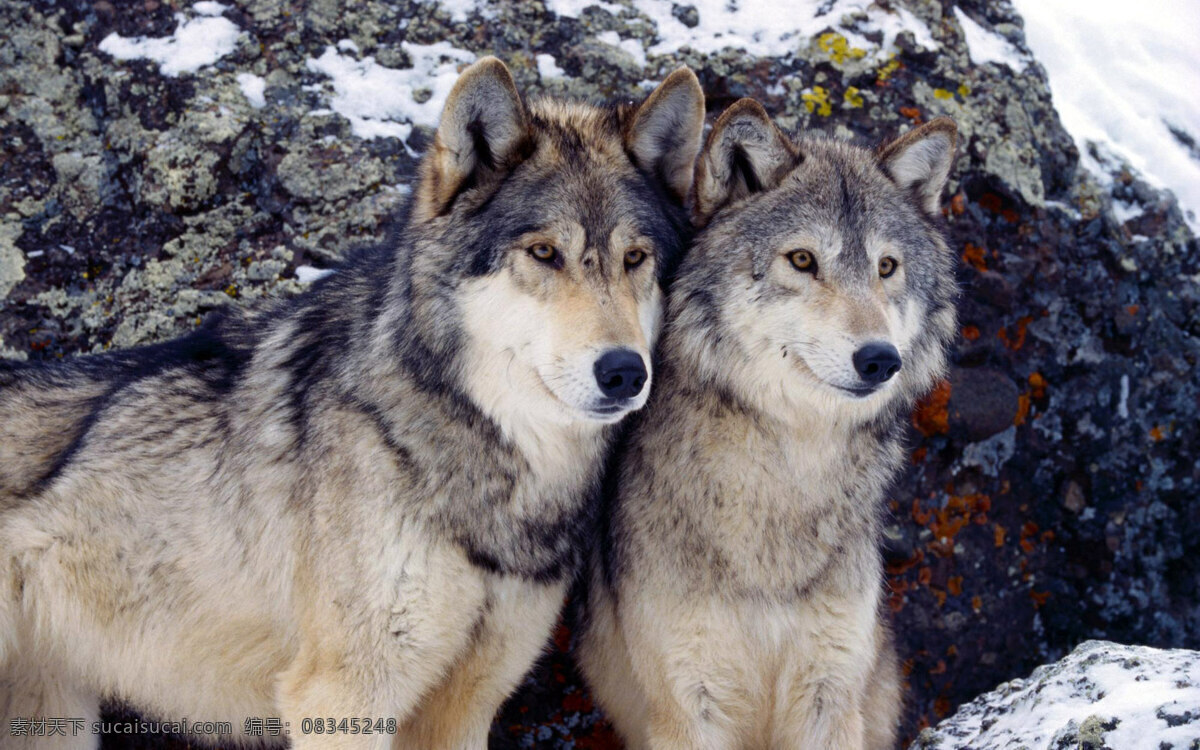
920 160
745 154
664 133
484 128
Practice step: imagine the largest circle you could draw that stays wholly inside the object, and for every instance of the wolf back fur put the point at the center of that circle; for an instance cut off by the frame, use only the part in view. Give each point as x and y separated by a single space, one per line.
366 501
734 599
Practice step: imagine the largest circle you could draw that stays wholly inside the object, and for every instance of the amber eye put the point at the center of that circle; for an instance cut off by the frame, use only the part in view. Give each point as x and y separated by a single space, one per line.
887 266
543 252
634 258
803 260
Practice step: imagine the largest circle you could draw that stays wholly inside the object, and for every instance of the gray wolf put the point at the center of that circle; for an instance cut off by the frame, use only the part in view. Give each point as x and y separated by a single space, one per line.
734 601
366 502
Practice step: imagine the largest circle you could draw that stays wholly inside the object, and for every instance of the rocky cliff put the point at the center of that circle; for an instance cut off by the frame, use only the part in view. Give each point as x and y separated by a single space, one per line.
162 159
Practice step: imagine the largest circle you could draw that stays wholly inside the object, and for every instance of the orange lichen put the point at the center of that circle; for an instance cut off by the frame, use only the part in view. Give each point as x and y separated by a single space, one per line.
932 415
975 256
999 533
1023 402
1016 341
954 585
976 603
1157 434
919 455
1038 383
970 333
958 204
1039 597
911 113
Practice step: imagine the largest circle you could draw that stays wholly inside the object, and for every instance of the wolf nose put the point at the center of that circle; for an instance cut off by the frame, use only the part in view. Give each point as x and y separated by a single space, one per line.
877 362
620 373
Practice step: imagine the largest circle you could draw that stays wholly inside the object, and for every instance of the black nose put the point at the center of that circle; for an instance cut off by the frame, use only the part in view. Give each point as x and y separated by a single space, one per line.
877 362
620 373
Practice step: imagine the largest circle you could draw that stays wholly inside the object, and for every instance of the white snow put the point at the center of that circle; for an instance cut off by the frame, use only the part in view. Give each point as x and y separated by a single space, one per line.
196 42
1106 680
548 67
775 28
984 46
309 274
632 47
458 9
1119 73
1125 211
209 8
253 88
382 102
575 8
1123 406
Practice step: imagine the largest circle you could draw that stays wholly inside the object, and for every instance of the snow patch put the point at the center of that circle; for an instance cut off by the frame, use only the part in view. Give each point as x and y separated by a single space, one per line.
632 47
548 67
985 46
196 42
386 102
253 88
776 28
1119 72
458 9
1140 687
575 8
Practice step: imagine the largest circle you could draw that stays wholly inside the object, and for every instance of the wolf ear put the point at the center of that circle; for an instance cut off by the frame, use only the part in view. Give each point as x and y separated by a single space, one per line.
664 133
484 128
745 154
920 160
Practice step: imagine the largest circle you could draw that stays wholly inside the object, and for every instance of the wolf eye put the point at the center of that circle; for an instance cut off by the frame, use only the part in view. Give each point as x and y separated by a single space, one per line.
634 258
543 252
803 260
887 266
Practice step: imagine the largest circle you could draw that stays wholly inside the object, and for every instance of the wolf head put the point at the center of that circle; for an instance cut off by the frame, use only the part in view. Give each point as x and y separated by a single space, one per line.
543 231
821 279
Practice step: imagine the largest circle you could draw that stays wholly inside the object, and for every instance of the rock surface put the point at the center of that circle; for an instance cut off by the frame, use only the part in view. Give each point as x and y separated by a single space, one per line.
1051 496
1103 696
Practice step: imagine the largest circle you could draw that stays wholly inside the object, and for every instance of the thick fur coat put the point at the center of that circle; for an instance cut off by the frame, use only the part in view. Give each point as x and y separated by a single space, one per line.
734 600
367 501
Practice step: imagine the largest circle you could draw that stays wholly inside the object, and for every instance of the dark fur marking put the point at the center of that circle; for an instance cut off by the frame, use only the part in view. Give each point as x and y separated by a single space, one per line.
740 165
203 354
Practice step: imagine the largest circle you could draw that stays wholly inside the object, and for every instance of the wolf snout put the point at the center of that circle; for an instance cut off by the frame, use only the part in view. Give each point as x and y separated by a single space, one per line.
877 362
620 373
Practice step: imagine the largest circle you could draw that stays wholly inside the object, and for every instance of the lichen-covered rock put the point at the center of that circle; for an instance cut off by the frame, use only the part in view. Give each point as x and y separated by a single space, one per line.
1052 490
1103 696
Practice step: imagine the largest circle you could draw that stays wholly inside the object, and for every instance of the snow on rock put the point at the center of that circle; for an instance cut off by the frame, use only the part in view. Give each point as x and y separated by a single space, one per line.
1103 696
386 102
984 46
575 8
774 28
196 42
253 88
548 67
1124 78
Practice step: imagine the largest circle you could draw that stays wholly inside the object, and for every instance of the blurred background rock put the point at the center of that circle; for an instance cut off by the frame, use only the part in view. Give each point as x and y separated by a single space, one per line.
162 159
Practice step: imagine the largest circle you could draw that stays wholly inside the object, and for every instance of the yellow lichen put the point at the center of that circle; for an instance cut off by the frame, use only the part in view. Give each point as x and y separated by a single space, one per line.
817 101
942 94
964 90
888 68
838 48
852 99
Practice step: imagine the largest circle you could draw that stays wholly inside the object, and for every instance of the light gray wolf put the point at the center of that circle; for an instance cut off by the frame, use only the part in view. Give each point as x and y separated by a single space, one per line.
734 601
364 503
